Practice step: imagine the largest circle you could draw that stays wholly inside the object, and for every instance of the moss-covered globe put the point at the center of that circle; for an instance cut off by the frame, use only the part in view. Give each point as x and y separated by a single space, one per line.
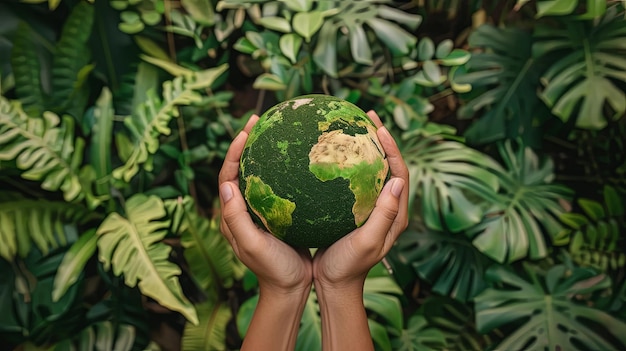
312 169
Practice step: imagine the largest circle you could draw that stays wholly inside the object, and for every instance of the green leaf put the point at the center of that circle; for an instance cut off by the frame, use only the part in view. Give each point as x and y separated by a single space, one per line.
584 84
45 149
547 315
526 214
27 71
269 81
504 78
325 52
449 262
410 20
419 336
276 23
200 10
73 263
210 258
450 179
398 40
359 45
152 117
444 48
308 23
24 222
425 49
210 333
290 46
132 246
455 58
299 5
102 133
555 7
71 62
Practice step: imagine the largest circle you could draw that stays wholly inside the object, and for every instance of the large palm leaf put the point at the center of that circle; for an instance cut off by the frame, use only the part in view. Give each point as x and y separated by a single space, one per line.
586 82
503 76
451 180
132 246
526 214
544 312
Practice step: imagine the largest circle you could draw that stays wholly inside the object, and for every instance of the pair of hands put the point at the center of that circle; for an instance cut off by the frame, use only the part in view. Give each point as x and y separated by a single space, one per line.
345 264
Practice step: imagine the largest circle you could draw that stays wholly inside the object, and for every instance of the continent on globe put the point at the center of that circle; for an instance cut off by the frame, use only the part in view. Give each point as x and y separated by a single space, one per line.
312 169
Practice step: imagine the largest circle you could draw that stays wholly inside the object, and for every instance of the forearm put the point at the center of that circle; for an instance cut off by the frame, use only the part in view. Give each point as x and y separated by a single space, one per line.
344 320
275 322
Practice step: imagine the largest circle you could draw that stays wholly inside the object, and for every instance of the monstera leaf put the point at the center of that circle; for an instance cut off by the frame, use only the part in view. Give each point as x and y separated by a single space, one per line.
586 82
419 336
504 78
132 246
527 211
449 262
545 314
45 149
451 180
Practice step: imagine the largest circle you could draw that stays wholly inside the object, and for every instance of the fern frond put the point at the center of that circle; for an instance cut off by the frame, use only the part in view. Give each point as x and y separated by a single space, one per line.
45 149
24 222
152 118
132 246
26 70
210 258
594 236
70 65
210 333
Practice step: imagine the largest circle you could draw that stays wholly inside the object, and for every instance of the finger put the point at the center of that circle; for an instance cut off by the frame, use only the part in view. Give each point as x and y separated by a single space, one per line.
230 167
236 221
251 122
384 218
374 117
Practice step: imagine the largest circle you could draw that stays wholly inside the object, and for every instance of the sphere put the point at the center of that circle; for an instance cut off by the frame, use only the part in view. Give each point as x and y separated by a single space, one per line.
312 169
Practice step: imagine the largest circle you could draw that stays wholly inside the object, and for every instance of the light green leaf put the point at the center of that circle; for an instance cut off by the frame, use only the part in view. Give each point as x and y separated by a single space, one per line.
555 7
308 23
45 149
168 66
279 24
200 10
290 46
455 58
359 46
268 81
444 48
210 333
131 246
151 49
299 5
24 222
425 49
398 40
73 263
408 19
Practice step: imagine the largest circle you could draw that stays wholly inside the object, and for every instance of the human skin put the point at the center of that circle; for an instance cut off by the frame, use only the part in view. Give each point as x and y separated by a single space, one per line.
338 272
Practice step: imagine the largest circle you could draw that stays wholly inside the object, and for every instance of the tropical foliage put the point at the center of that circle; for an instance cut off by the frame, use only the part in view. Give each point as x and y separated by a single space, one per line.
115 117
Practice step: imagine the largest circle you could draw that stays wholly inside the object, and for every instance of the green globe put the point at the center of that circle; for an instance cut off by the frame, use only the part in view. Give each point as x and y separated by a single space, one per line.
312 169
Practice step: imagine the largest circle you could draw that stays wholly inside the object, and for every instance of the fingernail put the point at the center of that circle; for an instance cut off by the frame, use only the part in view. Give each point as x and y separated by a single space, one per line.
397 186
226 192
